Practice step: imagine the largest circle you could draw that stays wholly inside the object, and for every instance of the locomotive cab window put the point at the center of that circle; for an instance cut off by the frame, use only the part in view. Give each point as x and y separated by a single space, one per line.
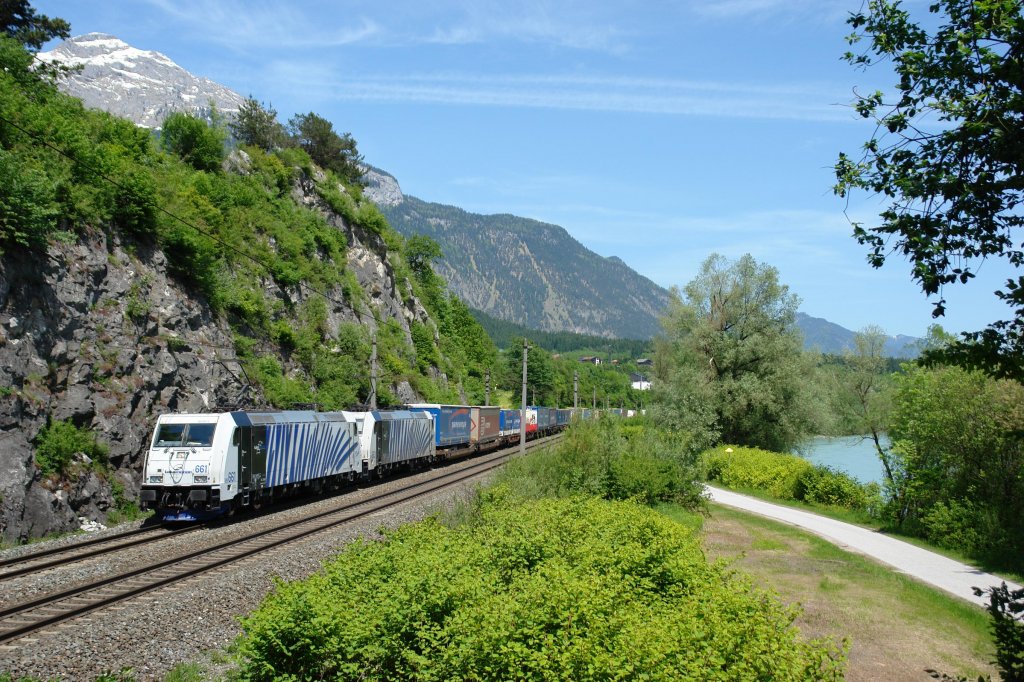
176 435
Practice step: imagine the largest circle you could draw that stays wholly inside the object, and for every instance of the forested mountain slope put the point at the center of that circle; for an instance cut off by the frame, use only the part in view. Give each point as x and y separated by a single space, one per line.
526 271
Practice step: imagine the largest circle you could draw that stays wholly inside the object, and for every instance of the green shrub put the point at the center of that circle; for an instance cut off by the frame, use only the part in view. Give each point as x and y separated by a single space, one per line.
595 459
830 487
556 589
423 342
59 442
370 217
198 144
958 524
124 509
296 157
340 202
1005 608
738 467
28 210
275 174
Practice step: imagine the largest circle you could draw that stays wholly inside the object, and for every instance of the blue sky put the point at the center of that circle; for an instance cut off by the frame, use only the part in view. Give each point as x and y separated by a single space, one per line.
658 132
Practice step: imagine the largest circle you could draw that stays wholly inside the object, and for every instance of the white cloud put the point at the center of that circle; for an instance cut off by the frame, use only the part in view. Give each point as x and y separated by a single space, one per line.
828 10
564 24
321 24
802 102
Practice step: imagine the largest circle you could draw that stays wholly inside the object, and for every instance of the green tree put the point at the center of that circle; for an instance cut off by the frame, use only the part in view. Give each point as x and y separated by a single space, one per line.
198 144
540 373
865 387
19 20
420 252
731 361
957 434
946 152
326 147
257 125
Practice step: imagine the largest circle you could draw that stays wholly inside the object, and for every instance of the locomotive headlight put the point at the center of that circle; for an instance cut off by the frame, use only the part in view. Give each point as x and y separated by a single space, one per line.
159 478
200 479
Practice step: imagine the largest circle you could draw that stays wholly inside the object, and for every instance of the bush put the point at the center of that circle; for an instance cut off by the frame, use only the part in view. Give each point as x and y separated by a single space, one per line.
198 144
28 210
556 589
775 473
833 488
595 459
1006 609
960 525
59 442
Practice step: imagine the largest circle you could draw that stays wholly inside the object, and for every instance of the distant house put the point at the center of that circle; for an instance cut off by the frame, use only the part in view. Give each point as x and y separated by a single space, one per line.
593 360
640 382
644 362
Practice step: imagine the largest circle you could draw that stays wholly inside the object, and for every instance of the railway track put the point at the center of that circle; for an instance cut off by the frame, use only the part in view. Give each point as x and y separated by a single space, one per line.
61 556
38 614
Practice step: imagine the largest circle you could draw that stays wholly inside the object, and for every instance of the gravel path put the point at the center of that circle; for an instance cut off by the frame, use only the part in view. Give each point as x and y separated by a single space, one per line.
153 633
946 574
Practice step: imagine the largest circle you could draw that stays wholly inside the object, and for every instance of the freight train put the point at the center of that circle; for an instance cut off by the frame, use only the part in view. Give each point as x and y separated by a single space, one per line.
199 466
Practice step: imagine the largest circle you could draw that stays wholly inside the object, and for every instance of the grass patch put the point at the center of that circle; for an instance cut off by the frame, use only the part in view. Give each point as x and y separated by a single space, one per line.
897 626
767 544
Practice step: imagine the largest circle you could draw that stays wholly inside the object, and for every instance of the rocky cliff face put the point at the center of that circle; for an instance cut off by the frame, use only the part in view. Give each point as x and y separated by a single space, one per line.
96 332
528 272
140 85
382 188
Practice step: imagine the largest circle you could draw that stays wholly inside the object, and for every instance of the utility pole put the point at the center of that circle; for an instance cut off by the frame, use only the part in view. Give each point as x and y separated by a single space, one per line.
373 371
575 389
522 420
487 388
594 405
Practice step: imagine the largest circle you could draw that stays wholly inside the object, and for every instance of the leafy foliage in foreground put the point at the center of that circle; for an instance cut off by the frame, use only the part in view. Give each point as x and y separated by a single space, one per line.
1006 608
555 589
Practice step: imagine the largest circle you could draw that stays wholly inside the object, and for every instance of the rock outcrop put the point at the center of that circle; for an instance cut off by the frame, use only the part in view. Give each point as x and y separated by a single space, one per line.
97 332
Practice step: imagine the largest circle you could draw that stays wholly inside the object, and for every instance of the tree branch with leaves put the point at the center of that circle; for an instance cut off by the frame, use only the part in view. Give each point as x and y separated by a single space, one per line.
948 154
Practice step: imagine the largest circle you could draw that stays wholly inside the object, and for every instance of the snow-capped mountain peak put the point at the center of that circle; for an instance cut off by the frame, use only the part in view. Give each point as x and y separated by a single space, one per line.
141 85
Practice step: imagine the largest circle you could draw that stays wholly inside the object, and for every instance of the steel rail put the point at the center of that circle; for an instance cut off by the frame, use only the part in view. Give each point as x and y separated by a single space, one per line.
161 534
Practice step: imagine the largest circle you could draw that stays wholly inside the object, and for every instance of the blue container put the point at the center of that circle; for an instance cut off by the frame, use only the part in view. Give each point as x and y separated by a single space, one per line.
562 417
511 421
452 423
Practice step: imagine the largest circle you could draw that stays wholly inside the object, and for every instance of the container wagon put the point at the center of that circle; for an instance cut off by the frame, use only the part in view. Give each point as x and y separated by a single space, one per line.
510 422
485 425
452 425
